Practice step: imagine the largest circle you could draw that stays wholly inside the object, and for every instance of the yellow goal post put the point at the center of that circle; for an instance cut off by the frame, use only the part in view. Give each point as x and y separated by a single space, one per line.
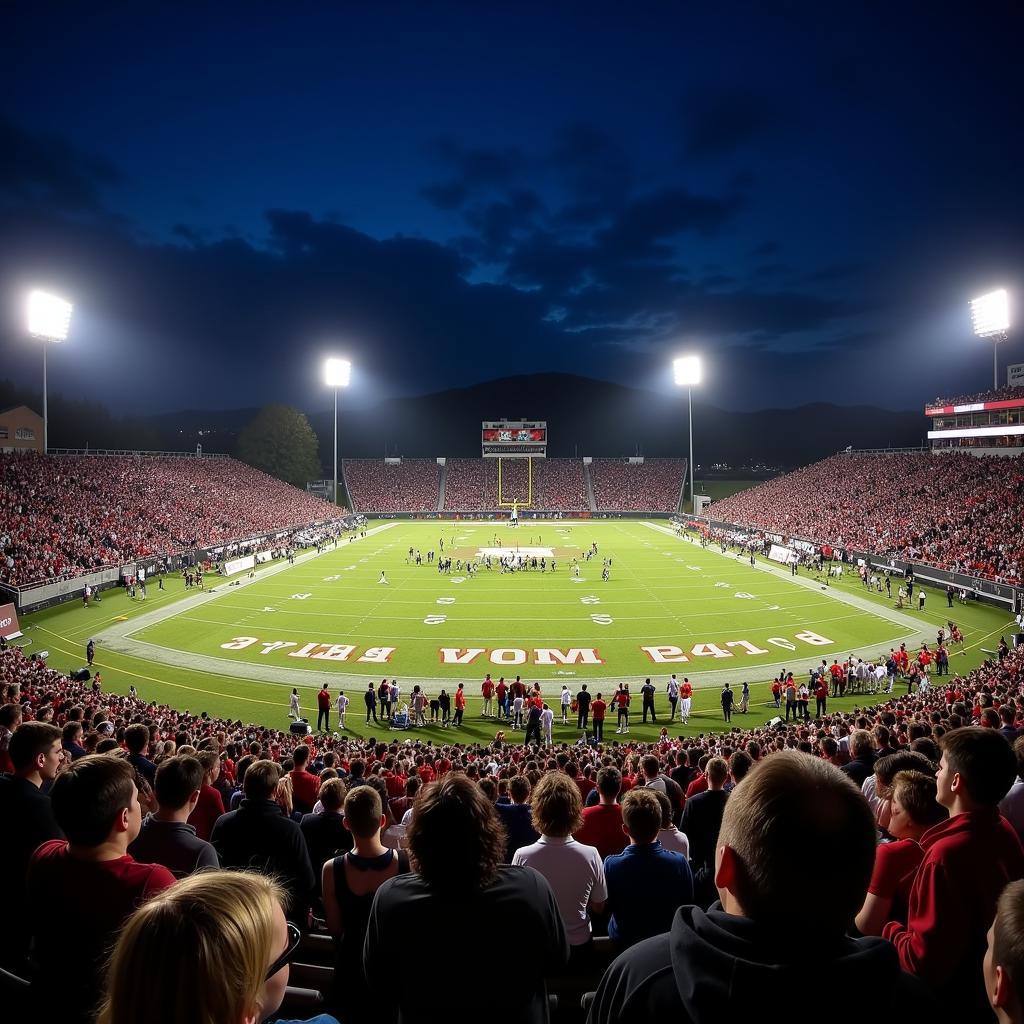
517 502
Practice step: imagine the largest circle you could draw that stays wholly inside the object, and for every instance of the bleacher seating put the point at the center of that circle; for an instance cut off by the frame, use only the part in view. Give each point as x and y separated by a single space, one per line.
65 515
653 485
952 510
376 486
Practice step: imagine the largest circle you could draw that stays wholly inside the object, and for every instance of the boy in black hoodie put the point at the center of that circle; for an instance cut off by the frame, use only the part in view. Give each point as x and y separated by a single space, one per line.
767 939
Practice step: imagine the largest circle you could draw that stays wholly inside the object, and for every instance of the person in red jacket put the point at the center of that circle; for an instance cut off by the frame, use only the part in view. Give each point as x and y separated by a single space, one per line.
598 709
460 704
968 860
487 691
88 881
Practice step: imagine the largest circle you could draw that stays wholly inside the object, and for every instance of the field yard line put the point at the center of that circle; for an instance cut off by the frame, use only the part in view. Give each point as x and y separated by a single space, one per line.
123 630
853 600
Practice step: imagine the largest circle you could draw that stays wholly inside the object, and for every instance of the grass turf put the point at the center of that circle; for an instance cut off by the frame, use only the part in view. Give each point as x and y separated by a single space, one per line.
730 620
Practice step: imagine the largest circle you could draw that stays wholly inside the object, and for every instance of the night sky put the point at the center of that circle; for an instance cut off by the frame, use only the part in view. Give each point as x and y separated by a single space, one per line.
449 193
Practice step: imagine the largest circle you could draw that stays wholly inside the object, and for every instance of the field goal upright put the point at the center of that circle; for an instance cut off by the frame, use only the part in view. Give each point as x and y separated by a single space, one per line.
510 443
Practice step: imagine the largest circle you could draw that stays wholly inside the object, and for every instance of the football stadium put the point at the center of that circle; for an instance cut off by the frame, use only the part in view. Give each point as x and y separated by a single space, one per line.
333 690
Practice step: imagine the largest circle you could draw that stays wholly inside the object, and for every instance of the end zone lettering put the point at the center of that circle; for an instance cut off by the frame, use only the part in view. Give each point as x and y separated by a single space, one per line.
669 654
322 652
659 654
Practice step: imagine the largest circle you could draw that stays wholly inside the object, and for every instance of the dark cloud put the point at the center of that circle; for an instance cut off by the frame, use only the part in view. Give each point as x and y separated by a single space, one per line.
663 215
48 170
473 170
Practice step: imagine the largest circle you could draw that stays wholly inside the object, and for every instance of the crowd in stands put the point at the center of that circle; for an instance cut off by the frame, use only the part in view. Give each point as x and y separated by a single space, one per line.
1003 394
954 511
558 485
471 485
751 851
65 515
654 485
375 486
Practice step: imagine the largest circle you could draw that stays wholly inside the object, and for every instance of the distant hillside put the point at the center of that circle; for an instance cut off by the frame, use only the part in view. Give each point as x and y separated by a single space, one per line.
585 417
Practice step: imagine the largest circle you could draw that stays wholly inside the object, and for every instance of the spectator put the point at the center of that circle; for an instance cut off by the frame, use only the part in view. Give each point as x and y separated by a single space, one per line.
325 833
456 844
1012 805
136 739
517 817
210 805
574 871
862 754
305 785
645 882
914 811
967 862
717 965
602 823
88 879
258 835
10 719
215 948
669 836
350 883
1004 957
702 818
165 836
36 756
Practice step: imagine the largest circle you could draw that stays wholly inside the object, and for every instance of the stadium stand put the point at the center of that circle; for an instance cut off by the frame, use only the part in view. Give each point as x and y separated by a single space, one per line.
918 721
954 511
653 485
408 486
471 485
1004 394
64 515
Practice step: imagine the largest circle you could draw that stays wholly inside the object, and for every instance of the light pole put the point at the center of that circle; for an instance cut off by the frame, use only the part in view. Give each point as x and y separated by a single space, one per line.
990 315
687 372
49 319
337 373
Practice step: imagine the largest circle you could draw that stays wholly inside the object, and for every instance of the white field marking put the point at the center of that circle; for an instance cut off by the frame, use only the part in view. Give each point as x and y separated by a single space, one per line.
521 551
446 600
602 620
590 600
457 579
301 597
435 620
725 586
754 630
834 595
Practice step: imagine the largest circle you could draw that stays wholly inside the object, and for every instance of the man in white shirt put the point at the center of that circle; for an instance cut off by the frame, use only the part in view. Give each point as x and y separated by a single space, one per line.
547 718
575 872
673 696
342 707
566 701
293 705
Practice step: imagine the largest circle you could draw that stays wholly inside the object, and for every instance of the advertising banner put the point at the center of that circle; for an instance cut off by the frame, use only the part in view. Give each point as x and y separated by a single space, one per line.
9 628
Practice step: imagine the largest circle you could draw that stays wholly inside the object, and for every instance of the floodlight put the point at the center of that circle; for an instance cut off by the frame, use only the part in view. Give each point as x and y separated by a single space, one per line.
49 317
687 370
337 373
990 313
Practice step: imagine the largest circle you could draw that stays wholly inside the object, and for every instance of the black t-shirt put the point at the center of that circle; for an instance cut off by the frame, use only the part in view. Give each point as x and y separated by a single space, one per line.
520 898
583 699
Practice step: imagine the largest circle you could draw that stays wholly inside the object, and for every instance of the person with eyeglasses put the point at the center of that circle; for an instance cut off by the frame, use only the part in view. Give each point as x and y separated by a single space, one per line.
214 949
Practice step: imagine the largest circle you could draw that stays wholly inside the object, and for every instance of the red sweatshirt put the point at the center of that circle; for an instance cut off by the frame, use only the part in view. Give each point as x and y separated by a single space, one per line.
968 860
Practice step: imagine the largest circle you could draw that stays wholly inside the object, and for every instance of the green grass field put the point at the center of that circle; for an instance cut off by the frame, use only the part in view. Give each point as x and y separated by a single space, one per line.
669 606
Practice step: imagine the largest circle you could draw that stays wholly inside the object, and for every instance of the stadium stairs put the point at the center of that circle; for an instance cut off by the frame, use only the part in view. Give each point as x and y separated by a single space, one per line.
590 488
441 485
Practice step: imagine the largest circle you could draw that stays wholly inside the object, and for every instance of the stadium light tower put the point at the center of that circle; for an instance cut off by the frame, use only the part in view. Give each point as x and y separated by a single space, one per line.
990 315
49 319
687 372
337 373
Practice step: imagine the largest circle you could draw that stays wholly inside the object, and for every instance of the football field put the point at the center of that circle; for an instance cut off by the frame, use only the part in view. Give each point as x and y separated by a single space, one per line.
669 606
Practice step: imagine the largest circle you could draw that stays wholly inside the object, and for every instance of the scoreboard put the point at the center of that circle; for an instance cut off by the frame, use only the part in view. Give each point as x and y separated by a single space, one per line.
514 438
